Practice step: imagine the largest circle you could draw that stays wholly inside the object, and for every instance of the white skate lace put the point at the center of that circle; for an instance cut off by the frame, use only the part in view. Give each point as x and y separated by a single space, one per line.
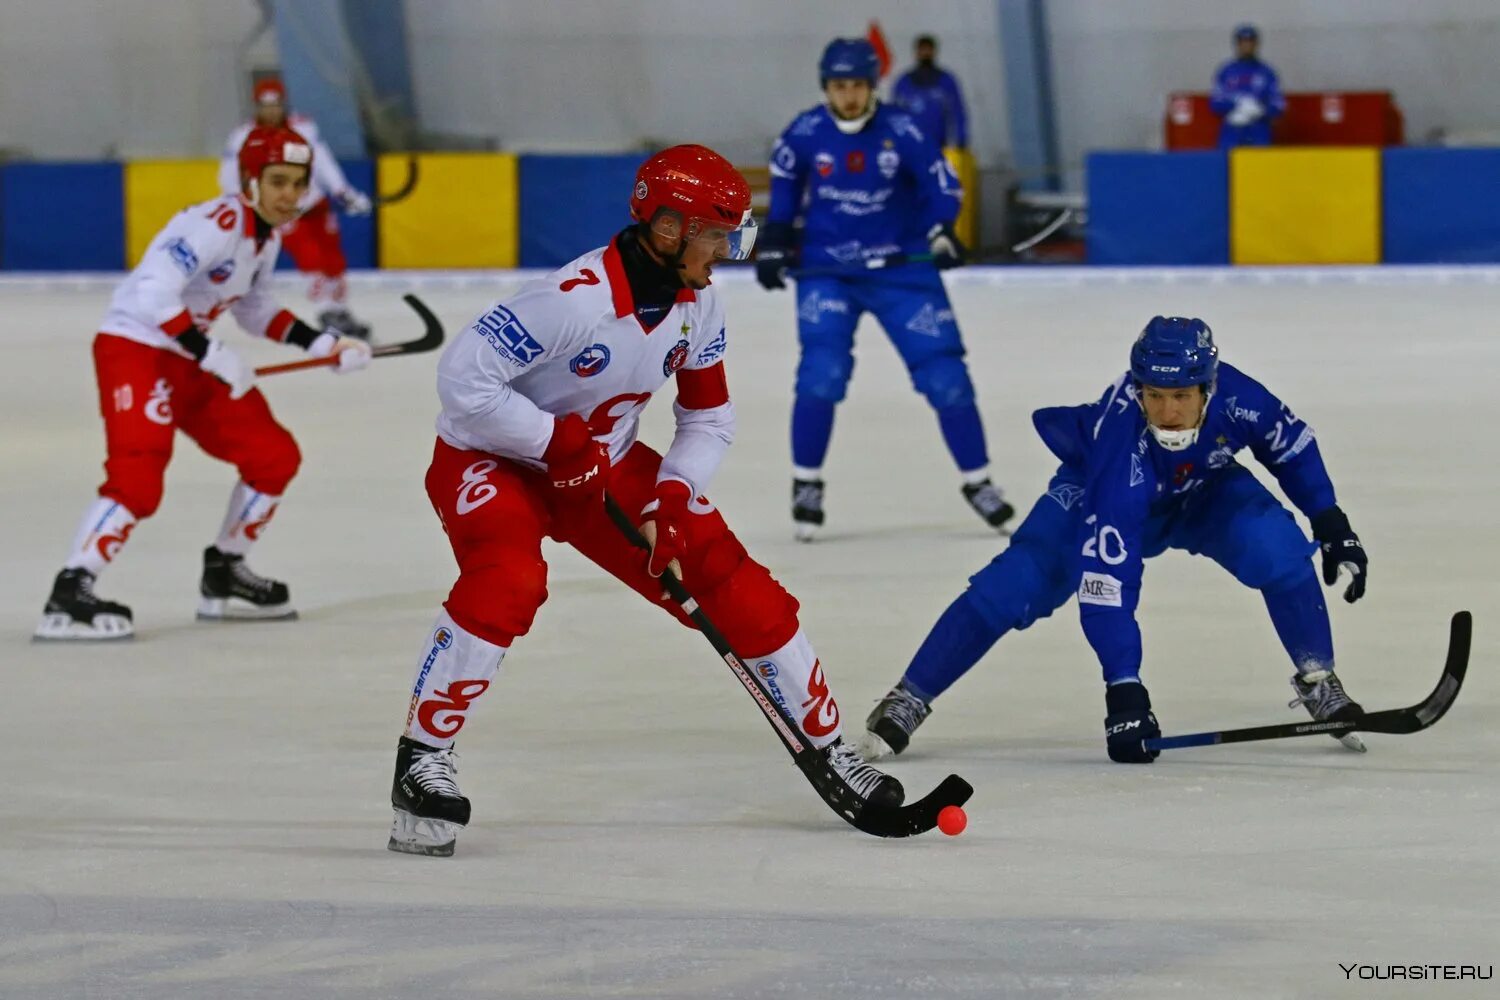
807 494
435 772
1321 692
986 499
850 766
903 708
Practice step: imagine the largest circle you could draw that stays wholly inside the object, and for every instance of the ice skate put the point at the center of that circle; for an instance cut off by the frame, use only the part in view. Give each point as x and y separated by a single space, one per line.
874 786
807 508
429 808
342 321
1325 699
74 611
233 592
888 729
988 503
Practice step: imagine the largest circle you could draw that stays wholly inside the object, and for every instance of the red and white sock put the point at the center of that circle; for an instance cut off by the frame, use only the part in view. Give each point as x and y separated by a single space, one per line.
104 528
456 667
248 514
794 679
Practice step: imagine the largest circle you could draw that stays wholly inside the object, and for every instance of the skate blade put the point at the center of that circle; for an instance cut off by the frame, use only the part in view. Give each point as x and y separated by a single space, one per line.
872 747
1353 742
807 532
61 628
432 838
234 609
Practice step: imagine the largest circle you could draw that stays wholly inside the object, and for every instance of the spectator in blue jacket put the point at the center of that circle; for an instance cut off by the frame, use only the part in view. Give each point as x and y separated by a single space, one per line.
1246 94
931 96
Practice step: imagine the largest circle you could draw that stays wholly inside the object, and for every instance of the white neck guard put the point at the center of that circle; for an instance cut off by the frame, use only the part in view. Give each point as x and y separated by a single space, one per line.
849 126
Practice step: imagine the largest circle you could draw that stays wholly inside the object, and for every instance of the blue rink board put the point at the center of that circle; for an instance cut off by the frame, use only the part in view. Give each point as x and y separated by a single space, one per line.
1158 208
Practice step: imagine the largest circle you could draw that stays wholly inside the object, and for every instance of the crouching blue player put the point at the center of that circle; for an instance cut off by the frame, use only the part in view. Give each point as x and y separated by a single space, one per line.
870 188
1151 466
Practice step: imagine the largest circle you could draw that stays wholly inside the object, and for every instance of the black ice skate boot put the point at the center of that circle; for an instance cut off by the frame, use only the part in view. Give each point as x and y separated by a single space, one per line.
875 787
1325 699
74 611
807 507
429 809
888 729
988 503
341 321
233 592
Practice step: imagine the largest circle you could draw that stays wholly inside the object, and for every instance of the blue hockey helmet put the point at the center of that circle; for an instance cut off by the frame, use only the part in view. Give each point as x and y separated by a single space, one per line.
848 58
1245 31
1174 352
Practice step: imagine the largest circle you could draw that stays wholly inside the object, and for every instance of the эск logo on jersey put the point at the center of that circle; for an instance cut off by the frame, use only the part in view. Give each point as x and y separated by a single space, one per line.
676 358
508 337
590 361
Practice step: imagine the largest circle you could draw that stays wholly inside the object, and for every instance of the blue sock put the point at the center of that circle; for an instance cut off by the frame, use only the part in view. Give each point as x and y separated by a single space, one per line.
1300 615
812 427
964 435
959 640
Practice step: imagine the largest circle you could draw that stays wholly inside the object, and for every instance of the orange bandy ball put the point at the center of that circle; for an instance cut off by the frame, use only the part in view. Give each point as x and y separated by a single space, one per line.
952 820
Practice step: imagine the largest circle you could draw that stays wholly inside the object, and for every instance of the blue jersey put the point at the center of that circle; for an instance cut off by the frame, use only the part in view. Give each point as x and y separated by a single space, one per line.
870 194
932 98
1129 486
1246 78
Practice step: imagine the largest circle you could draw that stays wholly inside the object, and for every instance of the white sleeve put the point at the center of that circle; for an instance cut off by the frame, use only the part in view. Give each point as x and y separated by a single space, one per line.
698 447
179 251
327 174
474 376
229 162
256 311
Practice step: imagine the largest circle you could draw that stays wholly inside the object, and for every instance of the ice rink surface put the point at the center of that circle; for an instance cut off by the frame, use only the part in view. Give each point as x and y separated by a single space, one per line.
203 812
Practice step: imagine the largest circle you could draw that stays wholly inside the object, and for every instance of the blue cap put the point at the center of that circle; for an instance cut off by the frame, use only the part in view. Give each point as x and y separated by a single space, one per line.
1246 31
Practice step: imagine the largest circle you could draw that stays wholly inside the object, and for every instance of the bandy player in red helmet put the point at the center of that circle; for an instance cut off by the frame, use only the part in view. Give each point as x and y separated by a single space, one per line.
541 398
312 239
159 372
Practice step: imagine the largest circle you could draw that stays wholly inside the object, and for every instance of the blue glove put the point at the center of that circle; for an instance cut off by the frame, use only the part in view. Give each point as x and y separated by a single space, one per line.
947 249
774 255
1129 723
1341 550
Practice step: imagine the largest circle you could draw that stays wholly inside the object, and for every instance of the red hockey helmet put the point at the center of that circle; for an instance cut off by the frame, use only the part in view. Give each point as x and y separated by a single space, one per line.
703 190
267 145
270 91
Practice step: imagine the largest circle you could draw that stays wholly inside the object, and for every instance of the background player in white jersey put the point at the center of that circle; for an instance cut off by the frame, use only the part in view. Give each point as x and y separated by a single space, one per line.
159 372
541 401
312 238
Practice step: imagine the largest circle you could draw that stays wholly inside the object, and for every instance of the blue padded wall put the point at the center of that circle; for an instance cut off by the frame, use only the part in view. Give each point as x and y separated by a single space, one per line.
571 204
62 217
1158 208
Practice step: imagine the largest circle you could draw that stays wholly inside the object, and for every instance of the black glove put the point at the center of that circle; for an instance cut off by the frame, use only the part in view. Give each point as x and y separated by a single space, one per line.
1129 723
947 249
774 255
1341 550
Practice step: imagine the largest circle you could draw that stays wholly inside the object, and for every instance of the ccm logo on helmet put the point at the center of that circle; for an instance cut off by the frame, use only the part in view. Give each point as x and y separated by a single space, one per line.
1166 368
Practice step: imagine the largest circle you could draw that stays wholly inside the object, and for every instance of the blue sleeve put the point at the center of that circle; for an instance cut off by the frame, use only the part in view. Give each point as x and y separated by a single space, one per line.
1286 445
1221 101
901 92
1274 100
1117 504
788 177
958 115
940 194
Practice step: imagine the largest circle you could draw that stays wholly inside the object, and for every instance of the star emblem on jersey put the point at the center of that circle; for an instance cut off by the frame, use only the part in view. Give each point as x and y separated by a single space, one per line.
590 361
676 358
855 161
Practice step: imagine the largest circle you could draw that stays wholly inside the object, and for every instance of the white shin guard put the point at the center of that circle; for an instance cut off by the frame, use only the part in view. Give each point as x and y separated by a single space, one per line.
104 528
456 667
794 679
248 514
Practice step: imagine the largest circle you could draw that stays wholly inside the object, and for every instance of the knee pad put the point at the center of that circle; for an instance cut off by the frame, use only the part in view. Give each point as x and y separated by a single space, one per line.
824 374
497 599
274 465
944 380
134 479
1020 586
752 609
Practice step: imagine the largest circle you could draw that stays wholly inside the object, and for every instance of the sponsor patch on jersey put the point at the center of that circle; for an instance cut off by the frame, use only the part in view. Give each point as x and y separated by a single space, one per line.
182 255
823 164
888 160
221 272
442 638
590 361
1101 589
712 351
676 358
768 673
508 337
855 161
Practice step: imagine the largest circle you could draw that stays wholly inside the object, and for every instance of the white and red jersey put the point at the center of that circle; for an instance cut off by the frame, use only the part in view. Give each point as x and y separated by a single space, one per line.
205 261
572 343
327 181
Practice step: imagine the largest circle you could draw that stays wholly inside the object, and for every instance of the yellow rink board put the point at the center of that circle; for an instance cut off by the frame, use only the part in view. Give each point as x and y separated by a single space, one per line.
156 190
1304 206
461 213
967 224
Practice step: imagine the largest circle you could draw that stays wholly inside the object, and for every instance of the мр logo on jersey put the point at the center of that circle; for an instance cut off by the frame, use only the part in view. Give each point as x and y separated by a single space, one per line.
676 358
590 361
508 337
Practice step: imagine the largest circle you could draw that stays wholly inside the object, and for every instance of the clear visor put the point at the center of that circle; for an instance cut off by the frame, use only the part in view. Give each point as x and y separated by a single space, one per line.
727 242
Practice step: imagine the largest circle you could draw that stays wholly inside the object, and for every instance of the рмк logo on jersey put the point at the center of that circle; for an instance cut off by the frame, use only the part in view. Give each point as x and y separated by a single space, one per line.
676 358
590 361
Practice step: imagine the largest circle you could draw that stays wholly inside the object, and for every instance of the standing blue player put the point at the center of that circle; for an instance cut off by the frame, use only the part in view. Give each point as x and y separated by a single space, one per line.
1148 467
871 189
1246 94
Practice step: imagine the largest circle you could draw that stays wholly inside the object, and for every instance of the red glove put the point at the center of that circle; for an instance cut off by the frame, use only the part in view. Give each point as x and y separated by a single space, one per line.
577 465
664 523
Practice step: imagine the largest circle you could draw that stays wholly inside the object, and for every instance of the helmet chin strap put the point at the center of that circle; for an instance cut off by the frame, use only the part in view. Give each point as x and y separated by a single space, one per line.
849 126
